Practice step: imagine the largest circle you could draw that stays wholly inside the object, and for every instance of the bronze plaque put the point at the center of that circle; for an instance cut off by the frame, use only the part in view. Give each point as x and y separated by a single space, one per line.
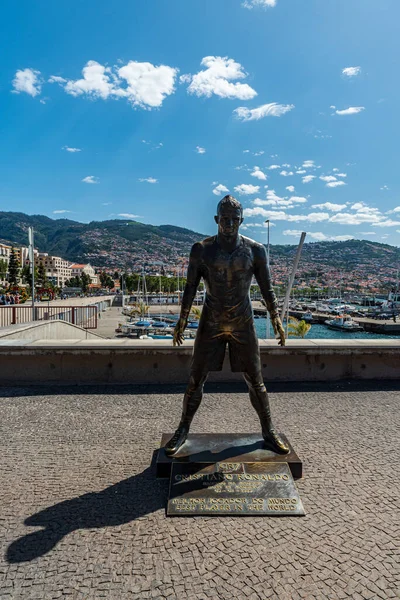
235 489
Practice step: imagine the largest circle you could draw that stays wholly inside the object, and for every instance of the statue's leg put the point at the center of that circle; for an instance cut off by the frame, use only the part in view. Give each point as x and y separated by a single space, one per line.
191 402
259 400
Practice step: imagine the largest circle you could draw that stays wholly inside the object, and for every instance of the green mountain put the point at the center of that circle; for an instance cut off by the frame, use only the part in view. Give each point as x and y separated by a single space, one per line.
130 244
103 243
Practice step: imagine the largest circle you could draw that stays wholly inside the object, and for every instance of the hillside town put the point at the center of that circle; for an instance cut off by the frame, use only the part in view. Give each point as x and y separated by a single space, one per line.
331 271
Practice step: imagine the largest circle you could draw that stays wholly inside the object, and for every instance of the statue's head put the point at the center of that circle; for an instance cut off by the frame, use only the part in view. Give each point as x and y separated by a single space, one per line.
229 216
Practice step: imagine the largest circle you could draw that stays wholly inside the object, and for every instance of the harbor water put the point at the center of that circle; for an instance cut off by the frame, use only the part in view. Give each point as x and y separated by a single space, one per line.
320 332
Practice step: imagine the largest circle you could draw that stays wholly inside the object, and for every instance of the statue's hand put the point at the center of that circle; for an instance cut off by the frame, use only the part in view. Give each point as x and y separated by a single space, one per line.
278 330
178 331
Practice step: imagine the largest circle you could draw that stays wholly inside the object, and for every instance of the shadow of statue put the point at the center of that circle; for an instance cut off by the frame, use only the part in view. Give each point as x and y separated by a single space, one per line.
121 503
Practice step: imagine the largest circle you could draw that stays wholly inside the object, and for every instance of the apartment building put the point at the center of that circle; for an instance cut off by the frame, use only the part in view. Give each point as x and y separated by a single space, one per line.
5 252
57 269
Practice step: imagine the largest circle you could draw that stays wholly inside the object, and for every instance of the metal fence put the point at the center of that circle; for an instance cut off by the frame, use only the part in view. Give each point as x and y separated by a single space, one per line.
84 316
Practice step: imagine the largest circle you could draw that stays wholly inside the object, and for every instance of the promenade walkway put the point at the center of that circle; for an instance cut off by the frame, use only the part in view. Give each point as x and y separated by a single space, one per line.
82 515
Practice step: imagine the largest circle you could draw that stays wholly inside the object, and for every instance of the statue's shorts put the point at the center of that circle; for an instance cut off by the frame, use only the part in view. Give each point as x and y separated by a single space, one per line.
210 346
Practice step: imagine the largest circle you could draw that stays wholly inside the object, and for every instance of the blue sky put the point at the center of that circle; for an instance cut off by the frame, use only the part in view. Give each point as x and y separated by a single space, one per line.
156 109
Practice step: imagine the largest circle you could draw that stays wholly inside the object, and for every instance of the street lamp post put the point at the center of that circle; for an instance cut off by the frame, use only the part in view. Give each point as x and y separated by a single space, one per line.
268 317
31 252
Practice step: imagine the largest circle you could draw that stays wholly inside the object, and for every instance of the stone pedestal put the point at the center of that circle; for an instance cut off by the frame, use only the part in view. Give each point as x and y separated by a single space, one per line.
204 449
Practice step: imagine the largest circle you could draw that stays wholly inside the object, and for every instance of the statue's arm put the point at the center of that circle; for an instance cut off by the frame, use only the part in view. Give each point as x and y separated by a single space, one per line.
192 282
263 278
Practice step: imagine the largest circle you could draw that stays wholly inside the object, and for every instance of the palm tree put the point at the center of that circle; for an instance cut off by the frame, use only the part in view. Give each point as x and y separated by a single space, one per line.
196 312
140 309
298 328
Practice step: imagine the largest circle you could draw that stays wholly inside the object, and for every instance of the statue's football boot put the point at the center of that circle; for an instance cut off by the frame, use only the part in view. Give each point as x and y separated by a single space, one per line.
177 441
274 441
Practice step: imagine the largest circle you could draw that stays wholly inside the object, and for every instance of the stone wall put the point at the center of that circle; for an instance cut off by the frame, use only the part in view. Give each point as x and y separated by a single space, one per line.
147 361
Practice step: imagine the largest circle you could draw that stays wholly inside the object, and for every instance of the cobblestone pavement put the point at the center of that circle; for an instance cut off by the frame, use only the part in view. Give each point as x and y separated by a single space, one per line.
82 515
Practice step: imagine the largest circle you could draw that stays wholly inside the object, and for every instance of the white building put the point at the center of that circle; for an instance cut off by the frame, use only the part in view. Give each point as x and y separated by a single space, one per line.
78 269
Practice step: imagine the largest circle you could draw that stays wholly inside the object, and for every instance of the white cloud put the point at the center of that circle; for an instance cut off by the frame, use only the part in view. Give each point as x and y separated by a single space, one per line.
217 79
260 153
385 187
185 78
96 82
273 200
271 195
272 167
90 179
56 79
106 203
358 206
128 215
312 217
352 110
68 149
299 199
387 223
147 85
61 211
294 232
319 236
341 175
395 210
351 71
200 150
301 172
245 189
276 203
321 136
28 81
308 178
328 178
148 180
255 212
368 232
333 184
286 173
259 3
153 145
290 188
308 164
142 84
259 225
266 110
258 174
330 206
282 216
342 238
220 189
364 214
335 170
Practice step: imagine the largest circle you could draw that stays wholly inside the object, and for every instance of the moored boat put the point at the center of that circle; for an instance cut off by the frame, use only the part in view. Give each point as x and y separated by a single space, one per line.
343 323
307 317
